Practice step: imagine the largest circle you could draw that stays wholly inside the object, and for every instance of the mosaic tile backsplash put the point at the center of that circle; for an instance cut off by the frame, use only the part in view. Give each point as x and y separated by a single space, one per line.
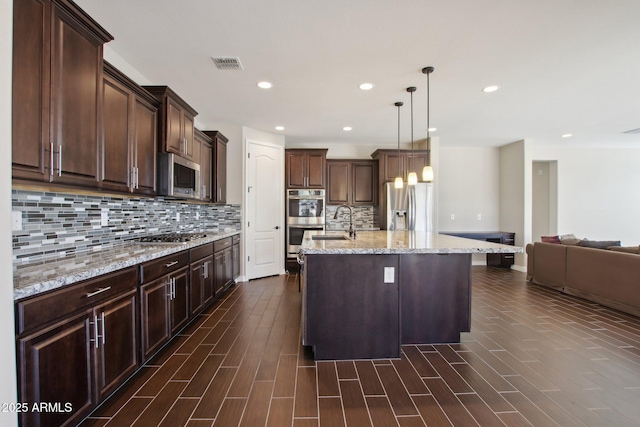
57 224
364 217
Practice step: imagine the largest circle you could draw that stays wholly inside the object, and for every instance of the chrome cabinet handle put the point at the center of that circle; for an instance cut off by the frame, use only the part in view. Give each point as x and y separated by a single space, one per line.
60 160
95 329
104 340
99 291
51 160
171 264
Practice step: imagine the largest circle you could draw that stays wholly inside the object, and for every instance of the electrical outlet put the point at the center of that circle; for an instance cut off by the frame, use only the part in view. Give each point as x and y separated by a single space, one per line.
453 216
16 220
389 275
177 216
197 215
104 218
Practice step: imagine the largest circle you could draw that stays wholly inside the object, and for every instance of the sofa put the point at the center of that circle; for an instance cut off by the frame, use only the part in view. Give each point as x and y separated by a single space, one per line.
610 277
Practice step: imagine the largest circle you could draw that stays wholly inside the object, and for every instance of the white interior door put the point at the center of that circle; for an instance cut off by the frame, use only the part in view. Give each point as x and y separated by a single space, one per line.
264 212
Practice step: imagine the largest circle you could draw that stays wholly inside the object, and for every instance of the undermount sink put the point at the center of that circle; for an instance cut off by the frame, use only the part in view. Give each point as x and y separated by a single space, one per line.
329 237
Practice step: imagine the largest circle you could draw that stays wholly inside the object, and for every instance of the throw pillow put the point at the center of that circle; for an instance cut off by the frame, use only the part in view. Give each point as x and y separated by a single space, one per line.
550 239
569 239
599 244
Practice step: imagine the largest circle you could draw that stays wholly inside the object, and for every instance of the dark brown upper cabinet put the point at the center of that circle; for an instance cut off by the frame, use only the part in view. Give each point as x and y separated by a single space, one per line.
219 175
391 163
305 168
176 127
352 182
204 157
129 135
57 91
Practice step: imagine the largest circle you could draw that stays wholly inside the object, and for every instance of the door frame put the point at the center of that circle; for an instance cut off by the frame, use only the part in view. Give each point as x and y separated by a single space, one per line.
280 258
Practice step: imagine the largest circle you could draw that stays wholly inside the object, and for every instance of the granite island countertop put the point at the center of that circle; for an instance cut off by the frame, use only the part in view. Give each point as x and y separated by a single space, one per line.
398 242
38 277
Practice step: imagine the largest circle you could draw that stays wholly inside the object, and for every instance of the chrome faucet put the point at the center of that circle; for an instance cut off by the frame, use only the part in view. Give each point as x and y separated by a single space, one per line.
352 229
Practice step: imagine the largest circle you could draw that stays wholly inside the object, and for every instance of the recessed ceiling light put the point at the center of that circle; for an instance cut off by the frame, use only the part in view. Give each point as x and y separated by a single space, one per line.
347 128
490 89
567 135
432 129
279 127
265 85
366 86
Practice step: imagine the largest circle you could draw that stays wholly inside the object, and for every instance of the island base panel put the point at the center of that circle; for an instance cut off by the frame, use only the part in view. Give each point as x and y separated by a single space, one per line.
435 297
351 313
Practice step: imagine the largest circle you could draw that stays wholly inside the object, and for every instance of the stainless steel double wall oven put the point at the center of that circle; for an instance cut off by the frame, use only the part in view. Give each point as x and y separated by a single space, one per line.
305 211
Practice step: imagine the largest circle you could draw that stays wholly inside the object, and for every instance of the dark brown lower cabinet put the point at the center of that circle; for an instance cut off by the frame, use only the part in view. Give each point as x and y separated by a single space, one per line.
223 264
201 284
70 359
235 255
165 310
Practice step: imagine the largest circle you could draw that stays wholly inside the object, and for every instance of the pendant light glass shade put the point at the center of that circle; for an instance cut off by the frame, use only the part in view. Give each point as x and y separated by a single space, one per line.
427 174
412 179
398 182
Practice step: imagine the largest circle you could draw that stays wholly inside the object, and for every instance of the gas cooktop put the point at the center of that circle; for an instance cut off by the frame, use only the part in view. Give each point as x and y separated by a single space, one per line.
172 238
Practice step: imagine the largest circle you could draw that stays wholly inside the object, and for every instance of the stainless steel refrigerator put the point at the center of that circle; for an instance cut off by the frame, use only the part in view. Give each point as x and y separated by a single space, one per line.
410 207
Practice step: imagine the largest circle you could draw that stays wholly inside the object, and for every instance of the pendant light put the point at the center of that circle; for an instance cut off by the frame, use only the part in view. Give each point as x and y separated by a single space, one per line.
412 178
399 181
427 171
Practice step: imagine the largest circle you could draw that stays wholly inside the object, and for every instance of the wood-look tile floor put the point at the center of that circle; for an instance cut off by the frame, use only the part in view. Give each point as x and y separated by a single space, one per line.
534 357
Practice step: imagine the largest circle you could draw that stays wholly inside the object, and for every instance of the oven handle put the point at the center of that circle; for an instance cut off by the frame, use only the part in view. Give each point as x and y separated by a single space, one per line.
305 197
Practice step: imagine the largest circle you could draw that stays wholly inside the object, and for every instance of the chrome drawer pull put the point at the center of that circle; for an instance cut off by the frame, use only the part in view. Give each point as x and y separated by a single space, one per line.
99 291
171 264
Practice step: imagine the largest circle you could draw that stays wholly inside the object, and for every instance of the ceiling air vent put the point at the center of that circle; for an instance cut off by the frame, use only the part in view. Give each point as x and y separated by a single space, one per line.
633 131
227 63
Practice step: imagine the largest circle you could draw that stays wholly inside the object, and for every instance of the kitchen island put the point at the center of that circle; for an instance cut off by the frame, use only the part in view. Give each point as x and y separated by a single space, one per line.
363 298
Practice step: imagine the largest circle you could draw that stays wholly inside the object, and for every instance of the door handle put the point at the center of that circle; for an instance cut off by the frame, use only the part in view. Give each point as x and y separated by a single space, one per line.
277 227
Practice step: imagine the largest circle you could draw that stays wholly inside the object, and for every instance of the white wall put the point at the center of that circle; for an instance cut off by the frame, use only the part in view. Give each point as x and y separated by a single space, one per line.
516 194
468 185
598 196
8 390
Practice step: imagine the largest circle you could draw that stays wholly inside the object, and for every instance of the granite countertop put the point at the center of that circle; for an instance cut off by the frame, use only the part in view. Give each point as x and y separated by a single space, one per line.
398 242
34 278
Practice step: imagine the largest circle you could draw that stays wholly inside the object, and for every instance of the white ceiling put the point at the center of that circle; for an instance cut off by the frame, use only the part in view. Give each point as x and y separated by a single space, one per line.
563 66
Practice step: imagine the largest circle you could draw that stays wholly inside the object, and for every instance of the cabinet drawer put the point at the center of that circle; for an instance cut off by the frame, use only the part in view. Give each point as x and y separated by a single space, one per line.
235 239
221 244
201 252
43 309
154 269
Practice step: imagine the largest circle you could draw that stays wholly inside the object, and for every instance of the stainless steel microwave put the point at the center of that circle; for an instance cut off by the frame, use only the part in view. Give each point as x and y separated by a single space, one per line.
178 177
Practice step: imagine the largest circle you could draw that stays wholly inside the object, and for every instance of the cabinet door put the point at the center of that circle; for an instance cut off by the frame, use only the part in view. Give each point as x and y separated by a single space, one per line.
338 183
235 256
179 302
174 136
296 170
187 134
218 271
145 144
117 347
221 171
76 71
364 189
55 365
197 287
392 165
208 290
315 170
154 315
228 266
418 161
206 159
30 107
117 164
